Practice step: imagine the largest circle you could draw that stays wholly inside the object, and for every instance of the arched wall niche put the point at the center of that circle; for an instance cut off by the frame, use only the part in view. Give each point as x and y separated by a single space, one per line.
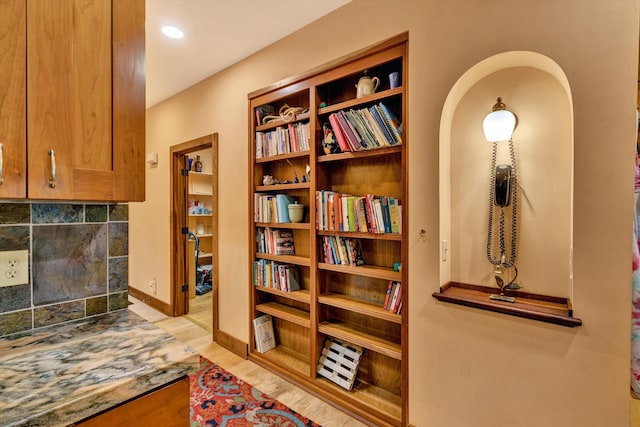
536 89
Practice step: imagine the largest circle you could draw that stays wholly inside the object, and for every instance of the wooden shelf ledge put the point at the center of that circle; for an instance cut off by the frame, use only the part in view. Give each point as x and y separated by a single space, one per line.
544 308
285 312
352 304
301 295
357 336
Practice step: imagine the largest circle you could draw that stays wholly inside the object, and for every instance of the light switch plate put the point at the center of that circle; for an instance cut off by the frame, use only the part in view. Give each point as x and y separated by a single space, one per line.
14 268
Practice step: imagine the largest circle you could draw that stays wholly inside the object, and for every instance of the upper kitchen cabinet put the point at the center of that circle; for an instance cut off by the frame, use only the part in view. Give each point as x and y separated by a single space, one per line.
13 109
85 99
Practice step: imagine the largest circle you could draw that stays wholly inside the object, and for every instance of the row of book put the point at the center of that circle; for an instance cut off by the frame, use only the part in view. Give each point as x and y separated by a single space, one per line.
274 241
270 274
292 138
393 299
271 207
366 214
341 250
366 128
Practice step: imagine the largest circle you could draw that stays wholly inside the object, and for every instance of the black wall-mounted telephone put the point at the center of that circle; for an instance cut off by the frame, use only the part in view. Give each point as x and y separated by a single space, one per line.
503 185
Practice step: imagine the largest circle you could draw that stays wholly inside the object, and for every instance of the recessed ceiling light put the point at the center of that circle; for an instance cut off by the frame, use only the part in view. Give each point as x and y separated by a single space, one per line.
173 32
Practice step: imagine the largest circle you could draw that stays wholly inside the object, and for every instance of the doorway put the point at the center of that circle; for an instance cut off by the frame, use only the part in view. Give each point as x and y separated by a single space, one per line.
194 227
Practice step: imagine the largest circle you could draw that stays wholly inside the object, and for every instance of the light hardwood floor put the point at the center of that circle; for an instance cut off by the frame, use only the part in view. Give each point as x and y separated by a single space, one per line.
191 329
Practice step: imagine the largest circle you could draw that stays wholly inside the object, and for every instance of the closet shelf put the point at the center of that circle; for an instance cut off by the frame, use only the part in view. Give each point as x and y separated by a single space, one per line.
544 308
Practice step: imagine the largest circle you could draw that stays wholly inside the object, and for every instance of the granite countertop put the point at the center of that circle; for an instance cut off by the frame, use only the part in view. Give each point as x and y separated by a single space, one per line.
62 374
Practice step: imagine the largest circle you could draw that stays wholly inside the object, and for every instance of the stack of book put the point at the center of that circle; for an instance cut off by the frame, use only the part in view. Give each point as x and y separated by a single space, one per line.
393 299
269 274
291 138
365 214
271 207
275 241
366 128
263 330
341 250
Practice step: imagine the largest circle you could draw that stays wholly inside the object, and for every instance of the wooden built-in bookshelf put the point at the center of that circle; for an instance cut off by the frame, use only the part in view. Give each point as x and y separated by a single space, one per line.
338 299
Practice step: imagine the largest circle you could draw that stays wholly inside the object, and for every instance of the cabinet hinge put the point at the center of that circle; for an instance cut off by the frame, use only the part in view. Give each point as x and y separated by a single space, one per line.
185 288
184 230
184 172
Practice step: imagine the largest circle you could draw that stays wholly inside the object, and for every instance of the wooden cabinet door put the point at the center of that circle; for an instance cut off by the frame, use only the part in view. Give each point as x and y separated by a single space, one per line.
85 99
13 127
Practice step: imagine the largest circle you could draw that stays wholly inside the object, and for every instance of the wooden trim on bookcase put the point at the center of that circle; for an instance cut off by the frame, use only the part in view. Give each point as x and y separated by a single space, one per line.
231 343
404 331
396 40
161 306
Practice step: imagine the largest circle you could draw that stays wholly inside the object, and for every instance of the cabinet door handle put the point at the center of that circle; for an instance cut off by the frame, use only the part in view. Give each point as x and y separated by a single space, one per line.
1 154
52 181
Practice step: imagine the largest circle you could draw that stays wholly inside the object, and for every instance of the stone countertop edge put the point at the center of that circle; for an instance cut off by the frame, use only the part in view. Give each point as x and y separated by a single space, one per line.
62 374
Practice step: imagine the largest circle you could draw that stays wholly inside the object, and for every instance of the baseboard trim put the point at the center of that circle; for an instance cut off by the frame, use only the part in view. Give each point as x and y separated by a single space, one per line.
231 343
161 306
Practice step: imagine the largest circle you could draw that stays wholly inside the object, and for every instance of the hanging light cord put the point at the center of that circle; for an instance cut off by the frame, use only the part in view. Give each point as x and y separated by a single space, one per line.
502 260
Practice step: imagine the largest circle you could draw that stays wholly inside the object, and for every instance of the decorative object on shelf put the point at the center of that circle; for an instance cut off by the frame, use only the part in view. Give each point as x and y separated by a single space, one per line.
190 163
198 164
394 80
339 362
329 142
200 228
366 85
286 113
296 212
503 194
268 180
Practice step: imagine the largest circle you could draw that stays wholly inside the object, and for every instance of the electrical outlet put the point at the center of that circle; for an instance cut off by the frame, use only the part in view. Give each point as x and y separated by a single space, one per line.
153 287
14 268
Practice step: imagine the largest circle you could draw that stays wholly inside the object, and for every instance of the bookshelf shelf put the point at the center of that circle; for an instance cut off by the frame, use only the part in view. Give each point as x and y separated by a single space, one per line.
334 300
282 356
291 225
374 152
283 187
285 312
385 405
381 236
285 259
352 304
301 295
283 157
345 331
366 271
360 101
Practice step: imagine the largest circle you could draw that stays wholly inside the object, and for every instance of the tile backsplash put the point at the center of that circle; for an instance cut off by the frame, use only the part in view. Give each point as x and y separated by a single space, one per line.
78 262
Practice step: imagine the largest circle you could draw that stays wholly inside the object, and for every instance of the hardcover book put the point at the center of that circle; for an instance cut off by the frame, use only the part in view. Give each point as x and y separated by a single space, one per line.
263 330
283 240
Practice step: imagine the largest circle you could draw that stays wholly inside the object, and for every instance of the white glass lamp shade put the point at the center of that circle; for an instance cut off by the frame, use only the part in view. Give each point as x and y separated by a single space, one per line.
499 125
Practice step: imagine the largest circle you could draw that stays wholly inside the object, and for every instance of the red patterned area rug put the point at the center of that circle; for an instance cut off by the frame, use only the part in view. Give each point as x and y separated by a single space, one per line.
220 399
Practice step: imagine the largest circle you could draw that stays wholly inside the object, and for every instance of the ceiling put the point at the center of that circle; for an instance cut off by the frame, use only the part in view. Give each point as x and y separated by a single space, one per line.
218 33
